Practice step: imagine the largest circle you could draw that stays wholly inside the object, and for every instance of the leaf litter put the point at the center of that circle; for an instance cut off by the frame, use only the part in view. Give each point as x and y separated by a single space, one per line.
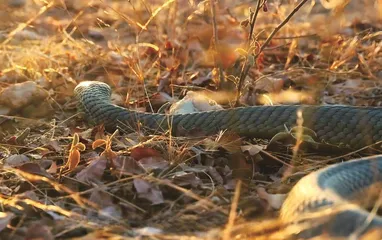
63 179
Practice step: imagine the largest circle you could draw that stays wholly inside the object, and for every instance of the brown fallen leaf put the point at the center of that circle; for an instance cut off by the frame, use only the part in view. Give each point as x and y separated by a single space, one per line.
186 179
39 231
228 140
274 200
35 169
215 176
53 168
6 190
127 165
5 218
201 80
252 149
16 160
74 153
111 213
155 162
143 152
148 231
148 191
52 143
101 199
93 172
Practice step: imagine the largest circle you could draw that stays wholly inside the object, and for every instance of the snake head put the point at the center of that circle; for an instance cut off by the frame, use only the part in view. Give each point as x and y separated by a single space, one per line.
90 87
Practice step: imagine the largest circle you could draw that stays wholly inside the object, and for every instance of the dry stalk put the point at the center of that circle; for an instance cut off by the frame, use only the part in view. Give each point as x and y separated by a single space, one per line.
246 65
217 61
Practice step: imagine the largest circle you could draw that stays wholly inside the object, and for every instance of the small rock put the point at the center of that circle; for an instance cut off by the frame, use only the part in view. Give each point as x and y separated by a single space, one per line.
43 109
20 95
27 35
115 57
5 110
16 3
96 34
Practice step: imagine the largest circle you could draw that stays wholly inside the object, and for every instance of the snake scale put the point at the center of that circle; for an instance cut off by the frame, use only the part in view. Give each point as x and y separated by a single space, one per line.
336 185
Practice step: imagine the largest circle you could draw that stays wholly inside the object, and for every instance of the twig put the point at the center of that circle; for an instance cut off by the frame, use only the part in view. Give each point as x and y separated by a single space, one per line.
247 66
286 20
253 17
217 61
232 213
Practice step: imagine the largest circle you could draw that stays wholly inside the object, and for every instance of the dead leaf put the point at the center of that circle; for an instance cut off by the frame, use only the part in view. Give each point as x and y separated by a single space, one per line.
53 168
152 163
291 53
74 152
274 200
93 172
143 152
16 160
111 213
5 218
160 98
228 140
6 190
39 231
101 199
20 138
252 149
270 84
185 179
148 191
231 184
73 160
127 165
164 82
35 169
215 176
148 231
201 81
97 143
330 4
53 143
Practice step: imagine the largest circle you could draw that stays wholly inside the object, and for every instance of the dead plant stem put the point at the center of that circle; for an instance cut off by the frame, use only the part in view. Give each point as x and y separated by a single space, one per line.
282 24
246 65
232 214
215 38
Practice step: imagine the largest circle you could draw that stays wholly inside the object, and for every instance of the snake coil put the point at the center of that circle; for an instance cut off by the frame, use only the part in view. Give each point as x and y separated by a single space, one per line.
337 185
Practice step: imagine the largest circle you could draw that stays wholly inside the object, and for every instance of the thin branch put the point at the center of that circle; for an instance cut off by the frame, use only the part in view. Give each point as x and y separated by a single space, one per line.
286 20
247 66
253 17
217 61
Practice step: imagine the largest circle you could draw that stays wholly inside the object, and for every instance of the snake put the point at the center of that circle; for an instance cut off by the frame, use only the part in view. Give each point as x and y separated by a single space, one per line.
333 186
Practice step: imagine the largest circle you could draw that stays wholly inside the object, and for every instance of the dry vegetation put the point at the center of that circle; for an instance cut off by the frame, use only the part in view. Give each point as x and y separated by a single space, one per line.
62 179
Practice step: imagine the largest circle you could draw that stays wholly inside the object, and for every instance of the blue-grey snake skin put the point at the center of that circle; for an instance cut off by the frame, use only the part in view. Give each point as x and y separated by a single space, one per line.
336 185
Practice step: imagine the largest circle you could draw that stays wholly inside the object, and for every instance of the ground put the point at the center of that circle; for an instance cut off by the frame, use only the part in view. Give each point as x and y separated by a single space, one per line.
63 178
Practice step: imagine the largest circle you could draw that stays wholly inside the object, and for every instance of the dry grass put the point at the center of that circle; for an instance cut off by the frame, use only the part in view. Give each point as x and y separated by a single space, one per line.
162 187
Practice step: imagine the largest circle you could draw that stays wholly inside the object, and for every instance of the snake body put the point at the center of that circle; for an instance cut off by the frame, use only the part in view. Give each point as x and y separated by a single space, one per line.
354 127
